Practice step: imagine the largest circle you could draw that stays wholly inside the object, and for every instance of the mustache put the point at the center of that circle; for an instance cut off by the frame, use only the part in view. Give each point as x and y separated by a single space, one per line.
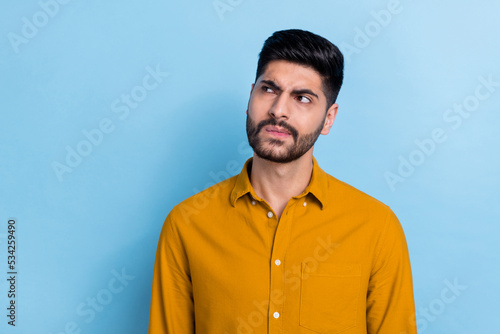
274 122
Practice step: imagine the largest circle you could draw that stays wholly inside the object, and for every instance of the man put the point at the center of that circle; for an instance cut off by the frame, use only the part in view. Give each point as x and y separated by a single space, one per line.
283 247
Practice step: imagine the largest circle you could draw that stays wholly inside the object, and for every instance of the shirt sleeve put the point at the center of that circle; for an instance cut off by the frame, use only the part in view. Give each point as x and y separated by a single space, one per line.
172 308
390 304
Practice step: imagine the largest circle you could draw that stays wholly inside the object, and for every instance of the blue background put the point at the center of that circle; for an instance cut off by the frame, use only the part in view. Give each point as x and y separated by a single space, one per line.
77 230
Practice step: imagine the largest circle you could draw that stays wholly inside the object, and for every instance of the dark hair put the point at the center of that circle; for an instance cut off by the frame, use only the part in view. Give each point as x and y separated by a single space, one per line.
305 48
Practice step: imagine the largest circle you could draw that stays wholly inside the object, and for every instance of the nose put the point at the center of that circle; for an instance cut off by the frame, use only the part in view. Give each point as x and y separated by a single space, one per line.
279 109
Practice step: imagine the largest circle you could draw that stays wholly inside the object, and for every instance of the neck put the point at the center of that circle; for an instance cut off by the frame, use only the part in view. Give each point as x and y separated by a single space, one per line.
276 182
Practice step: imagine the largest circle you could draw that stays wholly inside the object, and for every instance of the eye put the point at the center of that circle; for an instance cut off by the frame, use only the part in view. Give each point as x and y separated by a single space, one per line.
266 89
303 99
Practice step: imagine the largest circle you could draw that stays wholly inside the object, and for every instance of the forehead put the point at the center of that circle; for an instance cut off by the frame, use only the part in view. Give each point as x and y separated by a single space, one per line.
291 75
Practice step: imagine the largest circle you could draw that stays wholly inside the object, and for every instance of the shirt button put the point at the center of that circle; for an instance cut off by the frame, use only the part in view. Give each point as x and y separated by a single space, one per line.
276 315
253 202
270 214
305 203
277 262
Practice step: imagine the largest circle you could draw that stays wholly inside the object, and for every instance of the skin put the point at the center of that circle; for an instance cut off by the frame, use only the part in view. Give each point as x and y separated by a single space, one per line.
291 94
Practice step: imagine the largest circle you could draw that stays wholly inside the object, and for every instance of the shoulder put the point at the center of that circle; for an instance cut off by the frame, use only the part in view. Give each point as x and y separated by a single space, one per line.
363 211
206 201
342 192
356 206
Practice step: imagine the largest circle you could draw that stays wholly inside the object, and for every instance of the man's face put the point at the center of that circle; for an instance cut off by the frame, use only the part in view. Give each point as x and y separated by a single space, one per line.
287 112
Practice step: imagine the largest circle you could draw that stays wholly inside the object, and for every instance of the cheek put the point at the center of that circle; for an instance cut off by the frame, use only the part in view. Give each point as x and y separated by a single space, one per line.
258 107
306 124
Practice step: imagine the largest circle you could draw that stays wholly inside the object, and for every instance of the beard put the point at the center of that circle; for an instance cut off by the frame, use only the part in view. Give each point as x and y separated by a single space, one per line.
301 143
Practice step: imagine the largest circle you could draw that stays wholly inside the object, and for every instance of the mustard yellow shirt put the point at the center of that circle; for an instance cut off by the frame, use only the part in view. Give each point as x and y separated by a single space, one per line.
335 262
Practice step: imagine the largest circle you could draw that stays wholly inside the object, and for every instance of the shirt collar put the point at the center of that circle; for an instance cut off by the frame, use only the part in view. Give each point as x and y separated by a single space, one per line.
317 184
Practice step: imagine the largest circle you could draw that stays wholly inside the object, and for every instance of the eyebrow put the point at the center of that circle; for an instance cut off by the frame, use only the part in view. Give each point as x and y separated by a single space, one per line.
275 86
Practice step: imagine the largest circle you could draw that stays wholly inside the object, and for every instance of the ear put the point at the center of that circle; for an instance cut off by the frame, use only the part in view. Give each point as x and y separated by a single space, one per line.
330 117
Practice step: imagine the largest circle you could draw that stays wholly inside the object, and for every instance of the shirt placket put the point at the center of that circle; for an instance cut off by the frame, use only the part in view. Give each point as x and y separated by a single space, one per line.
277 266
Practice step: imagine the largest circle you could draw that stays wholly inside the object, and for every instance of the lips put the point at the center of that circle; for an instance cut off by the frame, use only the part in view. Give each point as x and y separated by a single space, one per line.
277 130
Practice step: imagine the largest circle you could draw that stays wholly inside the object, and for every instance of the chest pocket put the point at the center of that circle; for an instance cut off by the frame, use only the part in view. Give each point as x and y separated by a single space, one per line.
329 296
